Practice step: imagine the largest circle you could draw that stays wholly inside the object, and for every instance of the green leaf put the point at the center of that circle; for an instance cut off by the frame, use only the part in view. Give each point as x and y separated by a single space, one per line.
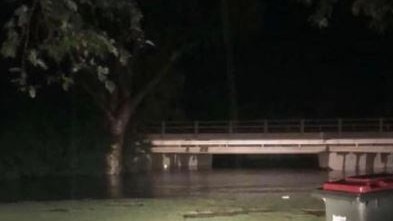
64 25
75 68
22 14
92 62
21 10
103 70
35 61
114 51
67 82
15 69
9 47
149 42
124 57
71 5
33 57
101 77
110 86
42 64
32 92
102 73
8 51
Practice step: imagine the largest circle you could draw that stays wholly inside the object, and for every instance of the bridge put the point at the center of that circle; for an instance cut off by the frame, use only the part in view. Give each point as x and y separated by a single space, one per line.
340 144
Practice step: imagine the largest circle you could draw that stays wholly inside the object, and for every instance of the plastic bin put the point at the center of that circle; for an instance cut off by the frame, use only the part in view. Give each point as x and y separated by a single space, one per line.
359 198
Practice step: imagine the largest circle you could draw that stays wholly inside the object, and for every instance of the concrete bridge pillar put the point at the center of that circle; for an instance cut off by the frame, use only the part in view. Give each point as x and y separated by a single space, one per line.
383 162
181 161
323 160
356 162
331 160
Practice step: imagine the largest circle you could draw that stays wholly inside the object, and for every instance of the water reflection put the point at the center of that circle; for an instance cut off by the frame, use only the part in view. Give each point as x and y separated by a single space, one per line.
114 186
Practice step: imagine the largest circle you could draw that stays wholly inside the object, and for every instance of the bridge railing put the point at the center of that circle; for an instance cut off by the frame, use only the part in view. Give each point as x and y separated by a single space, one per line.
272 126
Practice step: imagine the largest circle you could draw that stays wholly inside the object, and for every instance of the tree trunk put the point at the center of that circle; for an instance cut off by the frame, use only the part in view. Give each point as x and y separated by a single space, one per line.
114 157
118 124
114 165
114 186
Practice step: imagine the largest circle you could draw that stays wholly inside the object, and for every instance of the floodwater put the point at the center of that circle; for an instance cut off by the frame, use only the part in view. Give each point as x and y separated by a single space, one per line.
171 195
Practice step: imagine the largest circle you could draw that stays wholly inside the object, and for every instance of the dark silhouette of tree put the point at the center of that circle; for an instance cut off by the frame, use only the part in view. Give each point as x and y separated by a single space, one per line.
98 45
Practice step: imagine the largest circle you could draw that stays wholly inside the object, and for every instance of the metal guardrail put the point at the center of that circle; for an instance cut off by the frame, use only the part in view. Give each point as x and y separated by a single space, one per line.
271 126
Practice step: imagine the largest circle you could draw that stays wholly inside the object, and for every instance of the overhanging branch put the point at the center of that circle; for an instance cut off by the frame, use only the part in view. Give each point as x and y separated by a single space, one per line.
155 80
98 100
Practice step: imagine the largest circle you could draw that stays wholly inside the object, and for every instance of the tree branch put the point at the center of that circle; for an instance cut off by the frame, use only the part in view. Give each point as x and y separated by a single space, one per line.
26 36
155 81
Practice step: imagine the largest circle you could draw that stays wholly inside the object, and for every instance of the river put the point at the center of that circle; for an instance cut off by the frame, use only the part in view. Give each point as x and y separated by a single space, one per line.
225 194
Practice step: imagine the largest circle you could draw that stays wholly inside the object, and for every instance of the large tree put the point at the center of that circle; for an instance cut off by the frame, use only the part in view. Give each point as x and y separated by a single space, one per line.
98 45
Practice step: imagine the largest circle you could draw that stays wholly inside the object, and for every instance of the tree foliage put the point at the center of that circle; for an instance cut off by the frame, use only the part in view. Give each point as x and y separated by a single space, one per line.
57 40
379 12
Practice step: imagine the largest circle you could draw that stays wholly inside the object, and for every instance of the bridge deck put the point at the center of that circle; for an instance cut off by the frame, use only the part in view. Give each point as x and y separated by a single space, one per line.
272 143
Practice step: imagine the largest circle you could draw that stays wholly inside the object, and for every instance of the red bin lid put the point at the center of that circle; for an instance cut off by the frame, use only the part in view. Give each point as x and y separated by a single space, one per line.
361 184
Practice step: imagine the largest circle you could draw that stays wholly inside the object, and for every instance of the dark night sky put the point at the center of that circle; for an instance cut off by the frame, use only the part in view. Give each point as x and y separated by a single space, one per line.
286 68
